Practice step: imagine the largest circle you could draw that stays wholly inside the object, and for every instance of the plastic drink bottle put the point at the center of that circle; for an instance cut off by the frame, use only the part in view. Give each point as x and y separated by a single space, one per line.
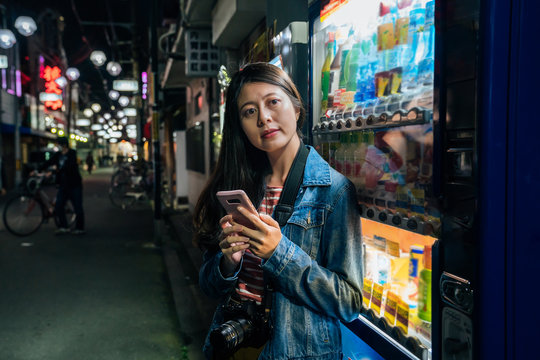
416 49
424 287
325 72
426 66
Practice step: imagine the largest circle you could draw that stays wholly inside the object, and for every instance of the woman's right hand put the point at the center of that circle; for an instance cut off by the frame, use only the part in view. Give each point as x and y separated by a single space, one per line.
232 245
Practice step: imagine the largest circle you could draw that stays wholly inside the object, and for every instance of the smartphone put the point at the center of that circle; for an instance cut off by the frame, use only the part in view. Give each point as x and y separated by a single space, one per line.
231 200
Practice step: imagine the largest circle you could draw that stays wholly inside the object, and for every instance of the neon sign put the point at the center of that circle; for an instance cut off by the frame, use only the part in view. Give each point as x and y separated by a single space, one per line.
50 74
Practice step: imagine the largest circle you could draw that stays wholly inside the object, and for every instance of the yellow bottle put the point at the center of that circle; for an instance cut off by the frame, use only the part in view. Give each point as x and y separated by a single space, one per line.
325 72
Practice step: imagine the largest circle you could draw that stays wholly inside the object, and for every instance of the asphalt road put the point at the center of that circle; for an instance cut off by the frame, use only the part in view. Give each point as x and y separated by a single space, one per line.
101 295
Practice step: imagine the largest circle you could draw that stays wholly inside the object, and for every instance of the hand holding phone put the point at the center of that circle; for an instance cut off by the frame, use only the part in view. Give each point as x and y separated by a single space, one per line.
231 200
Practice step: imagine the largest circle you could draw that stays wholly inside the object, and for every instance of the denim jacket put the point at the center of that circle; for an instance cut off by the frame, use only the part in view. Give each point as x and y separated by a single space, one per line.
316 269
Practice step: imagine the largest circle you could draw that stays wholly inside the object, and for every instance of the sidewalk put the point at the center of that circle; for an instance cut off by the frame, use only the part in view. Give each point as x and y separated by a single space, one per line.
183 260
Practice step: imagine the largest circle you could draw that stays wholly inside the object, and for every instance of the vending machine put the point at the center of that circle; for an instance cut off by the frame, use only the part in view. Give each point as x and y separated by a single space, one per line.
392 104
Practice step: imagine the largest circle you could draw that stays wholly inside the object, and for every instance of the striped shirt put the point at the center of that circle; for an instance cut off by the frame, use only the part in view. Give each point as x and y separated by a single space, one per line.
250 284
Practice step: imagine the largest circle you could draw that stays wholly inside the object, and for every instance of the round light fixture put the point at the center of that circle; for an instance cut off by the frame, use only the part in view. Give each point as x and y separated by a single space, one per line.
120 114
7 39
114 95
88 112
123 100
98 57
72 73
107 116
25 25
61 82
114 68
96 107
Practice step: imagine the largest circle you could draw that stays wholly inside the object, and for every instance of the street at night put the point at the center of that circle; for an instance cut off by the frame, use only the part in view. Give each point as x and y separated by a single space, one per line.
101 295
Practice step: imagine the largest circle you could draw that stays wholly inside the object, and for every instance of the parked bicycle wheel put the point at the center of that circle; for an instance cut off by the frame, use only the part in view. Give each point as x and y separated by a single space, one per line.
70 216
120 177
23 215
120 196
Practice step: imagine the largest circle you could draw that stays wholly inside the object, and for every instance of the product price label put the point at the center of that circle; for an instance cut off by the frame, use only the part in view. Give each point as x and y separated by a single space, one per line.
366 292
390 308
376 298
402 317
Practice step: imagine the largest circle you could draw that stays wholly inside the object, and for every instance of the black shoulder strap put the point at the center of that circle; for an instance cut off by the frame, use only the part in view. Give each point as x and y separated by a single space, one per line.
285 206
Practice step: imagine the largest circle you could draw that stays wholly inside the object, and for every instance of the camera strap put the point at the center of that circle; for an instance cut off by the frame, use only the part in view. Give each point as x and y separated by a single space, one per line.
285 206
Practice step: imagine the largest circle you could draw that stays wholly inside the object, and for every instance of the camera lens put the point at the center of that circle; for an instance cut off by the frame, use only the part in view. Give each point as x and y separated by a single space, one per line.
230 334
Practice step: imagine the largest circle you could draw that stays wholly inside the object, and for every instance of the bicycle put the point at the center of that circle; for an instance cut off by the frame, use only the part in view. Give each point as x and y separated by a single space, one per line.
130 186
27 211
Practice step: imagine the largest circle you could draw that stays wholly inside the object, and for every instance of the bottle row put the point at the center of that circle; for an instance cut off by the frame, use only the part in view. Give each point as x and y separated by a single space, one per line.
414 223
349 120
397 289
392 54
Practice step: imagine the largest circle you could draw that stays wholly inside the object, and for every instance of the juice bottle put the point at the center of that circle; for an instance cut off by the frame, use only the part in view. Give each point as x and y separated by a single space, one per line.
349 156
325 72
340 153
424 287
333 80
359 159
415 265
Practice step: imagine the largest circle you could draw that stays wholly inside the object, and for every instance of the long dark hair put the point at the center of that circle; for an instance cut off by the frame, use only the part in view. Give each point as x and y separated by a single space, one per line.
240 165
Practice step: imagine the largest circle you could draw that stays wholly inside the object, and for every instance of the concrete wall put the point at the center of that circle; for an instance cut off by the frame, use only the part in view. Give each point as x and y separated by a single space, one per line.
197 180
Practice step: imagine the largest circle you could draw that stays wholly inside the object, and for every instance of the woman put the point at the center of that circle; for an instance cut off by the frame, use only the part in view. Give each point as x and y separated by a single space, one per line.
313 263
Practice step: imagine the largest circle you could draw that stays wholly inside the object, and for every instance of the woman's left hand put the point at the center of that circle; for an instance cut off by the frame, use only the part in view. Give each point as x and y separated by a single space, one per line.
264 234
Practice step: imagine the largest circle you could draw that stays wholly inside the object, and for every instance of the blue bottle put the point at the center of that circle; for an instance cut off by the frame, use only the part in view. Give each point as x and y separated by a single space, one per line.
426 66
416 49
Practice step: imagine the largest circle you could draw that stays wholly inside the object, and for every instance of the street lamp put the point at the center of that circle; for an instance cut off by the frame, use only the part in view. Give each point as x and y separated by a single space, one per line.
72 73
123 100
114 95
98 57
7 39
96 107
114 68
25 25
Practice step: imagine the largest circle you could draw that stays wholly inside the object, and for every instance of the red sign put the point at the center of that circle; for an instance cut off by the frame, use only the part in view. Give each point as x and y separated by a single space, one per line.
330 6
50 74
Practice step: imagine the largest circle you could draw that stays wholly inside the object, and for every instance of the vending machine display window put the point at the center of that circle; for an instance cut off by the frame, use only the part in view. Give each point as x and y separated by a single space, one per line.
372 65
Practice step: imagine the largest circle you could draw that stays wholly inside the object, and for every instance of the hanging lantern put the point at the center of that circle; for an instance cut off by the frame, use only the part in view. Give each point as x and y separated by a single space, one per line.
7 39
98 57
25 25
114 68
72 73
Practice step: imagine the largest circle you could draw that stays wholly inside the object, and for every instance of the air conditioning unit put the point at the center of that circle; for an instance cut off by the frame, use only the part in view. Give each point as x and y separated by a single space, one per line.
202 58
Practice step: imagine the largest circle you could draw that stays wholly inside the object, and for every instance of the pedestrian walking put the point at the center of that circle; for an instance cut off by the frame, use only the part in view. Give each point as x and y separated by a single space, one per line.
89 162
69 182
287 279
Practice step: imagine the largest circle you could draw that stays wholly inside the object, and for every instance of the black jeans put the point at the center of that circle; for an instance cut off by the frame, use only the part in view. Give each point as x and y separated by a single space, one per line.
75 195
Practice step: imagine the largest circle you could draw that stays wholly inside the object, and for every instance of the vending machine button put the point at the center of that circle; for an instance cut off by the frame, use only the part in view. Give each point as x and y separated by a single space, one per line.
370 213
412 224
396 220
348 123
382 216
359 122
397 334
339 125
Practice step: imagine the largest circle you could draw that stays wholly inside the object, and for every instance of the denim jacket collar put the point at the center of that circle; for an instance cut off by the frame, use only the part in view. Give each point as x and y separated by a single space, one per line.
317 171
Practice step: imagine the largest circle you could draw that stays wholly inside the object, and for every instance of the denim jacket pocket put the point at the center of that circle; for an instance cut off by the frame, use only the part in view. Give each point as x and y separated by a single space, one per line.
305 227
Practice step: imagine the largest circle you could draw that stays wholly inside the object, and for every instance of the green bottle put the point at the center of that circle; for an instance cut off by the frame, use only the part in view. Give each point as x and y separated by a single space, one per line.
424 287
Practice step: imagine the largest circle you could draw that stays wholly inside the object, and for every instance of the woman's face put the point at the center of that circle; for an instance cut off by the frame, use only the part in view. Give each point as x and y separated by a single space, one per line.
268 117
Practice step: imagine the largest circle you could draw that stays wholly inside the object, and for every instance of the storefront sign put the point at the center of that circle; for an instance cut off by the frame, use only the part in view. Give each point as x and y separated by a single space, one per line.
3 62
50 74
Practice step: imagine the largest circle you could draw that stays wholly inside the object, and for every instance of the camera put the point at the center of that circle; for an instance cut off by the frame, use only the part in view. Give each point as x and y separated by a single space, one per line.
247 324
